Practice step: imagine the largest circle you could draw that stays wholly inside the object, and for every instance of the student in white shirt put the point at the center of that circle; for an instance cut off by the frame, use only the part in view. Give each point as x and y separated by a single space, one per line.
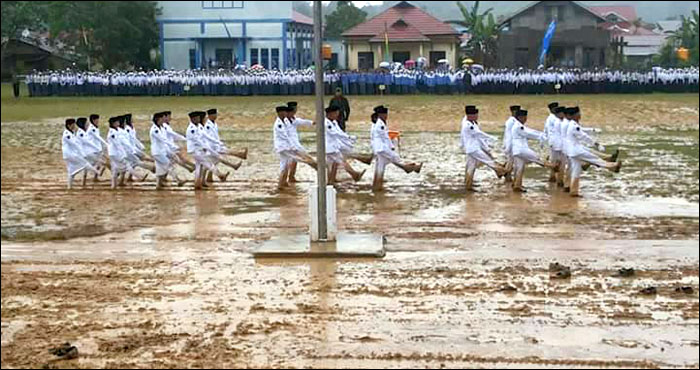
73 153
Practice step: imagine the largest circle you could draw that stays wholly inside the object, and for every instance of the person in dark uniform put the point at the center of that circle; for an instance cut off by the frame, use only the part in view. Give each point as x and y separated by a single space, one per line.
340 101
15 86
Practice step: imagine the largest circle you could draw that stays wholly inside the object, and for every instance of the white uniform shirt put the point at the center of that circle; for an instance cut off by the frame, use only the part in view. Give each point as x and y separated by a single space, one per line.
71 146
332 144
380 137
114 147
578 139
93 134
520 134
292 133
551 130
508 127
159 141
194 141
281 137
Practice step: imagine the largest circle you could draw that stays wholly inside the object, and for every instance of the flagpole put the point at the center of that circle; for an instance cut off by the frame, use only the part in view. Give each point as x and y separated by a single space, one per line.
320 125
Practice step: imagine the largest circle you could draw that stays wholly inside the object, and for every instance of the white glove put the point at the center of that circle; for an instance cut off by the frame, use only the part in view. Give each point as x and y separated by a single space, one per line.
601 148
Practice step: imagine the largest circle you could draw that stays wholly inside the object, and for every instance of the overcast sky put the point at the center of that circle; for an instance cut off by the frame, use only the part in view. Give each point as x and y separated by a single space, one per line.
650 11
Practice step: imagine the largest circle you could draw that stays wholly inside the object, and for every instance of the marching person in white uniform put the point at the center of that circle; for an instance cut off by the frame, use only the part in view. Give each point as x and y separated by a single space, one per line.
507 142
93 134
200 151
73 153
551 133
472 140
211 133
282 145
384 150
298 152
92 152
334 156
577 139
522 154
174 138
161 151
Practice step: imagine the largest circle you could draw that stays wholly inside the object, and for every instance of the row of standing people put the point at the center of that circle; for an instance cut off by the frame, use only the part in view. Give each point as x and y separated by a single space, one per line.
382 81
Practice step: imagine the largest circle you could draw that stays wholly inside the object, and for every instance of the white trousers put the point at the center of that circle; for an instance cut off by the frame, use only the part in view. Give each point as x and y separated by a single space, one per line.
579 159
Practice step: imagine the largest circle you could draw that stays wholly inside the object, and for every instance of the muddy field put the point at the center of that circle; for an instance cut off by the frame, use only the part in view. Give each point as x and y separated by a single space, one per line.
139 278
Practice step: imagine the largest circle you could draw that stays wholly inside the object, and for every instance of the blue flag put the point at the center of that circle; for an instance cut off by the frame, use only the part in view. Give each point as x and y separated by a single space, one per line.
547 38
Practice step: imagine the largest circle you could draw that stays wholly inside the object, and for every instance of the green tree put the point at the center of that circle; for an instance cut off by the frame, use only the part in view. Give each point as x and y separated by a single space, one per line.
484 31
685 36
18 15
344 17
114 34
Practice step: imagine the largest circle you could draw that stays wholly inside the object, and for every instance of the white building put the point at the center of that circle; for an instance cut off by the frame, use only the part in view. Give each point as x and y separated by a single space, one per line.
200 34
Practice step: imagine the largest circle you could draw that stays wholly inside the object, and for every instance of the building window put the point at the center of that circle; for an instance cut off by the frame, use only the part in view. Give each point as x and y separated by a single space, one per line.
333 64
253 56
224 58
521 57
401 56
193 58
435 56
555 12
275 58
222 4
365 60
265 58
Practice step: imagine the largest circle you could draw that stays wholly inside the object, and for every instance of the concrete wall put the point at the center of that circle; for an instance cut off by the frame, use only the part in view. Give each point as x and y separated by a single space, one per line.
414 48
576 36
338 47
250 10
569 16
177 54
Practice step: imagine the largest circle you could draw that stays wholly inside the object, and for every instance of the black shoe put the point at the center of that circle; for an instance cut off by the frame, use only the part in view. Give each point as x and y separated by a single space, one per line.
561 274
65 351
685 289
625 272
615 155
556 266
648 291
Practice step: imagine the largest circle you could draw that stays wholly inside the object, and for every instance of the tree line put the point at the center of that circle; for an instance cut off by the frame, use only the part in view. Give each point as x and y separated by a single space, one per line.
106 34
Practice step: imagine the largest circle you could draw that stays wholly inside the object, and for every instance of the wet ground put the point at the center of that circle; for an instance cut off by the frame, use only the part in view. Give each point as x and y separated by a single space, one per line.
139 278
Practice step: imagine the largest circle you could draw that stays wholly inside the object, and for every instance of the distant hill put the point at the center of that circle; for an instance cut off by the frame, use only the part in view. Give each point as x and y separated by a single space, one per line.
650 11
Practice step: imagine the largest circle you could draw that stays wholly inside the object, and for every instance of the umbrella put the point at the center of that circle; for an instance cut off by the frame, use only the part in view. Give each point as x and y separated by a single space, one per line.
384 65
468 61
442 61
409 63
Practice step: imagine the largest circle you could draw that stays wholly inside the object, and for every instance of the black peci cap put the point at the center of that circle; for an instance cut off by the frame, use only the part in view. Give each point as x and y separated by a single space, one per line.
211 111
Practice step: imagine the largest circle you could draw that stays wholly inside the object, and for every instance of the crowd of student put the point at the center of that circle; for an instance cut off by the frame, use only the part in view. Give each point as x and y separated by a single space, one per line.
382 81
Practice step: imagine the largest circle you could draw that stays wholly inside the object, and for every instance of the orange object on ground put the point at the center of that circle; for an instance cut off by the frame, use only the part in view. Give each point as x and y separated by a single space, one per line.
394 134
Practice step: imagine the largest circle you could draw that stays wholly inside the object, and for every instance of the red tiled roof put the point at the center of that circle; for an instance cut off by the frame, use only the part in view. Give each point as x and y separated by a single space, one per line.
627 12
420 24
300 18
398 33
